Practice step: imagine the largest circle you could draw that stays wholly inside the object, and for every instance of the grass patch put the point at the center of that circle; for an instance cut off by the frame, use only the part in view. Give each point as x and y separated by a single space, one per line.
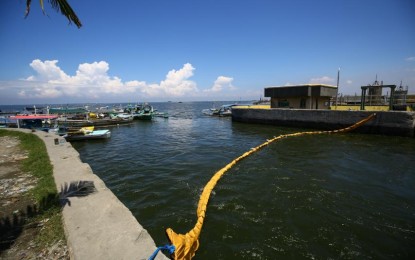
45 192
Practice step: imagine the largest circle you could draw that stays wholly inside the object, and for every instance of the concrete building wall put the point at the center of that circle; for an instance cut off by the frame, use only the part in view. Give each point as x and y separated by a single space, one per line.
309 96
301 102
398 123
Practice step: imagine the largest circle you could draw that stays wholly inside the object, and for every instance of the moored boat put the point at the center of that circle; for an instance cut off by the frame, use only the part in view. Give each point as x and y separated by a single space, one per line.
87 133
94 122
41 122
145 113
225 110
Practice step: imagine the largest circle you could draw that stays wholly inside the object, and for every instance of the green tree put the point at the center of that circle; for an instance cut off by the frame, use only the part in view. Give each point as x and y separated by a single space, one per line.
59 5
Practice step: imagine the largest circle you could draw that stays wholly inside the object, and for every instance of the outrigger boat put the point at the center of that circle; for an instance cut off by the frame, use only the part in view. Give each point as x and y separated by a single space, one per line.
94 122
42 122
225 110
86 133
145 113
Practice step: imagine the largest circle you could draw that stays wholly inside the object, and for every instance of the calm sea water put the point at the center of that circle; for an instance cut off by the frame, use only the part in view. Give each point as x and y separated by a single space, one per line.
346 196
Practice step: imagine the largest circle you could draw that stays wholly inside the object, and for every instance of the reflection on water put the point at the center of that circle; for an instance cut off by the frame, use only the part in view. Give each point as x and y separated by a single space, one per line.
326 196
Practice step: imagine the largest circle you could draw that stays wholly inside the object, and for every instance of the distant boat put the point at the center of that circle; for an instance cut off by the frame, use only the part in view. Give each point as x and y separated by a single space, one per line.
87 133
67 110
34 110
225 110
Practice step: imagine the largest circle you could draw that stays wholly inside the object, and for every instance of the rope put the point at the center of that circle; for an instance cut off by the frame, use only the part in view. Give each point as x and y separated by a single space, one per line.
187 244
169 248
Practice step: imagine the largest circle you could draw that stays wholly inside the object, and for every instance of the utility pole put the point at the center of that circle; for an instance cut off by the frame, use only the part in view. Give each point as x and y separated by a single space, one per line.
337 90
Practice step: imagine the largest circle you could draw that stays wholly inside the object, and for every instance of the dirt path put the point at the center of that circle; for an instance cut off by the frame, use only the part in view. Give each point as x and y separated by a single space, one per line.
17 235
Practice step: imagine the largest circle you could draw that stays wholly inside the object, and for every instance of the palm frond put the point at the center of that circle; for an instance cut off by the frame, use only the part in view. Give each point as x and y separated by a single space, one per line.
66 10
28 2
59 5
75 189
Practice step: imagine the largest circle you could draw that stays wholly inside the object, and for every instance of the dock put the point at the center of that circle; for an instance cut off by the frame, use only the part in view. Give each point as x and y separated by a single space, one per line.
97 226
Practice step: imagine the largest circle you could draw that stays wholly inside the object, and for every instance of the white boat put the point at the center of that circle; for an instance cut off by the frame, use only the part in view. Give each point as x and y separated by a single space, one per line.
86 133
225 110
124 116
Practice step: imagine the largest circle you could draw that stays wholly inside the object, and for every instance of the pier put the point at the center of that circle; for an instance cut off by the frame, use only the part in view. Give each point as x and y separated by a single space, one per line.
98 226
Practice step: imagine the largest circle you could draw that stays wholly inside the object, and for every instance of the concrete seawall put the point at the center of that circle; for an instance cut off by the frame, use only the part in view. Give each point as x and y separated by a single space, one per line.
397 123
97 226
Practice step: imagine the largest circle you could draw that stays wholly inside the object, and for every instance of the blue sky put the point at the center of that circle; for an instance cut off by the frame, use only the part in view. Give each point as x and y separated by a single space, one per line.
211 50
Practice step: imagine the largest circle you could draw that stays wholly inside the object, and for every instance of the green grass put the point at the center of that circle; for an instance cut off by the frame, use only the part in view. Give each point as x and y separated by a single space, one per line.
45 193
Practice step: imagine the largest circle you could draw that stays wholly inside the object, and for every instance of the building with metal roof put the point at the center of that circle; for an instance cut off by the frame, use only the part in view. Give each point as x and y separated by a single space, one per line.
307 96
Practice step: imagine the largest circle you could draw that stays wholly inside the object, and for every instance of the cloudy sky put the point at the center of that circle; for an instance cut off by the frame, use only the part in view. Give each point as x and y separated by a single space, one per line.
187 50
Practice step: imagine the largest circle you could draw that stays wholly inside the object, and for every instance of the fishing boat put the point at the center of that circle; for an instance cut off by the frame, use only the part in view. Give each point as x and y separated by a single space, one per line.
86 133
145 113
124 116
67 110
160 114
95 122
41 122
3 122
225 110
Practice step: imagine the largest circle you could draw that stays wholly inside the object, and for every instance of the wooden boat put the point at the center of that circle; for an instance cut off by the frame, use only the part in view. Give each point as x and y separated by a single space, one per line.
225 110
146 113
94 122
67 110
87 133
42 122
160 114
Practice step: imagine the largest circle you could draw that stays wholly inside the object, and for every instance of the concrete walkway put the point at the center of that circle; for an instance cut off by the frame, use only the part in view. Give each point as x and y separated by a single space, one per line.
97 226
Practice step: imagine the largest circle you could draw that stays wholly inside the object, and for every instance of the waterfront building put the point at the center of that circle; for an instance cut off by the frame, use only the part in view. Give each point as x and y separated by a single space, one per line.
307 96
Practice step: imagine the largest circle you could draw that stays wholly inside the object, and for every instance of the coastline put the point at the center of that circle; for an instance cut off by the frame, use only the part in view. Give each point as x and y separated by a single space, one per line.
97 226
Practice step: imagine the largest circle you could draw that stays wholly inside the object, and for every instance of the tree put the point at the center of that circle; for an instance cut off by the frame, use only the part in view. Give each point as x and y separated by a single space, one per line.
59 5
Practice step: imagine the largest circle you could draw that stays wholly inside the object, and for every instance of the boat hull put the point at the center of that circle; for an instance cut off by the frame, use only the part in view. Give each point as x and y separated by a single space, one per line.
97 134
95 122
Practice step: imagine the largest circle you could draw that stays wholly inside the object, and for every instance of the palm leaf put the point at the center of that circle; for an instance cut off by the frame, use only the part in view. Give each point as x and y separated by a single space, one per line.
75 189
59 5
66 10
28 2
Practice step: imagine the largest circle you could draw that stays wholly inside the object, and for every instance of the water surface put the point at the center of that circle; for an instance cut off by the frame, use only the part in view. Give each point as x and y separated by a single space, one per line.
326 196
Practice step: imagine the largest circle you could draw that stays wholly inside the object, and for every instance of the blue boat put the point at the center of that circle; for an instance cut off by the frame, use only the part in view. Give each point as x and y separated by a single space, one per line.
87 133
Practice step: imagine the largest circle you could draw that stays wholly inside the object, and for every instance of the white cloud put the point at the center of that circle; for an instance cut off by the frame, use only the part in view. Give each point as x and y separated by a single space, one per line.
349 81
322 80
92 80
410 59
220 84
47 71
176 83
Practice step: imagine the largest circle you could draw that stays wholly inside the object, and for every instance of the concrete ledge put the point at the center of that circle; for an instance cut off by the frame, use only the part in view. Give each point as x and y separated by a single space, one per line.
97 226
399 123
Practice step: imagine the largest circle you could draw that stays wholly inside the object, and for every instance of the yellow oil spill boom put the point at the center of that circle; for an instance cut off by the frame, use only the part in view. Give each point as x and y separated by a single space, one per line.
186 245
